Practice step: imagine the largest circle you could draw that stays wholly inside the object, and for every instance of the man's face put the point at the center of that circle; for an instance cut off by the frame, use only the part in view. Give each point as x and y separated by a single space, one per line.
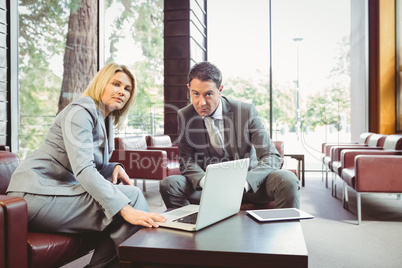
204 96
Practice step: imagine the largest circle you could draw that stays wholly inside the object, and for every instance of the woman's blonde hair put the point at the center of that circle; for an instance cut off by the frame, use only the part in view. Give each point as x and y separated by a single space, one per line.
97 86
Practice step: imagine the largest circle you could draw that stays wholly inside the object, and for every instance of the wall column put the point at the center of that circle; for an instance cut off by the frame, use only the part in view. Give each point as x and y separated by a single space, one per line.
382 93
185 43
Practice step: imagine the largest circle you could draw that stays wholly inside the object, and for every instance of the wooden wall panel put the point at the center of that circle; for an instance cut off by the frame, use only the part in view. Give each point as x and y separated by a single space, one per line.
382 92
3 74
387 94
184 44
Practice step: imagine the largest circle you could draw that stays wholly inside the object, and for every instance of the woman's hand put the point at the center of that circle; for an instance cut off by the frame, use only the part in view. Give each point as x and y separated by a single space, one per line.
138 217
120 174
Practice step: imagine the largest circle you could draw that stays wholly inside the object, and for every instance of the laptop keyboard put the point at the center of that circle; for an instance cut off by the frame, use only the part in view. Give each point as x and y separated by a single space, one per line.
191 219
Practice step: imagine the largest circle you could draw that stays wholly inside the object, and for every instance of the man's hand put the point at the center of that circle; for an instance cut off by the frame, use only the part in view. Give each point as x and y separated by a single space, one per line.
120 173
138 217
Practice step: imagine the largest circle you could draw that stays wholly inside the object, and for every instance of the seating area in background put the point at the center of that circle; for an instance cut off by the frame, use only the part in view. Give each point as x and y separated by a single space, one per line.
374 141
22 248
326 151
155 158
371 166
147 157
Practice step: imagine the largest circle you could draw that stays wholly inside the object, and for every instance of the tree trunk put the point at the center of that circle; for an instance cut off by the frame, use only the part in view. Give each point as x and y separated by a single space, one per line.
80 58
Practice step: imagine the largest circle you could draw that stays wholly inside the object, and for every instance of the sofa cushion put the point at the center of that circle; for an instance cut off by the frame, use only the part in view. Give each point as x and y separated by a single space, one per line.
393 142
55 250
130 142
159 141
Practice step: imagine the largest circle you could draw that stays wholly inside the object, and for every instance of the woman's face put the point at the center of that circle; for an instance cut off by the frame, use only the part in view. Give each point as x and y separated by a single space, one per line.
117 92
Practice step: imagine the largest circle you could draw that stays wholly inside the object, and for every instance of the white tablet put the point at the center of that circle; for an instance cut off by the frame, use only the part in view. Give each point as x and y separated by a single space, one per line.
279 214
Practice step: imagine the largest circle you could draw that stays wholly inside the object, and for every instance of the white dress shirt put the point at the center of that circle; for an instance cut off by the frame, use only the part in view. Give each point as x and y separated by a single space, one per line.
218 114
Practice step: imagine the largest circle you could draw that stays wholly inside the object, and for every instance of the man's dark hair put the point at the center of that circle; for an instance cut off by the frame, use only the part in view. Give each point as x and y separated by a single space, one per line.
205 71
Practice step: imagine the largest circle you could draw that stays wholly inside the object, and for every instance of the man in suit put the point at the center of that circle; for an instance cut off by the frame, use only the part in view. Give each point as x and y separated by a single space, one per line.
236 133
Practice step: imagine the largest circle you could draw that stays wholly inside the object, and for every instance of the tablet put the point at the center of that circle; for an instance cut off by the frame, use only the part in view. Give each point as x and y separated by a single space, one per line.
279 214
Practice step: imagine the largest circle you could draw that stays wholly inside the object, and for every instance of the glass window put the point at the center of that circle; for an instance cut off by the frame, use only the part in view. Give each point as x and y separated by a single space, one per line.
51 73
134 37
42 29
310 66
238 43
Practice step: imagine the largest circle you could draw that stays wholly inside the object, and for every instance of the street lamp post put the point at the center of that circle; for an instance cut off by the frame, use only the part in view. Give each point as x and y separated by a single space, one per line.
297 40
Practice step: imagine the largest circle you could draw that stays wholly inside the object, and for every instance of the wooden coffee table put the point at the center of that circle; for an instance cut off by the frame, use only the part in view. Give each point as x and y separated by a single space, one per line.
238 241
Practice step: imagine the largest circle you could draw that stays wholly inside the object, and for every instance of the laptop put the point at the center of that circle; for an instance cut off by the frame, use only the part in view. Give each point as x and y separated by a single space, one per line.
220 198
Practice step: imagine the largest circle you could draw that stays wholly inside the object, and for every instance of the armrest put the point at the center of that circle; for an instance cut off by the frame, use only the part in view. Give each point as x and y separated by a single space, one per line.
147 164
348 156
4 148
13 231
336 150
172 152
329 146
378 173
328 149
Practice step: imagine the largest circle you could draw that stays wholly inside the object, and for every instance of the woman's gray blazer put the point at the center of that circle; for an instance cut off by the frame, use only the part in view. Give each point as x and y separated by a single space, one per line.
73 159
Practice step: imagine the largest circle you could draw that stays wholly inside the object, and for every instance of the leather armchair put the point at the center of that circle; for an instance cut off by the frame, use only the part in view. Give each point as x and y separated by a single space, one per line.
4 148
326 151
20 247
164 143
375 141
141 162
375 171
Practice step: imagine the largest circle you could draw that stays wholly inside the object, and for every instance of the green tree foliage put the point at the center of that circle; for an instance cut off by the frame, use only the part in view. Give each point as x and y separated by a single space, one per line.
43 30
332 105
144 20
42 38
329 107
255 89
250 89
284 105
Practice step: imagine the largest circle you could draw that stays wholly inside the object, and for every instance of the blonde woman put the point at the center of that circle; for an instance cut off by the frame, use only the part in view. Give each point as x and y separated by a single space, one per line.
68 182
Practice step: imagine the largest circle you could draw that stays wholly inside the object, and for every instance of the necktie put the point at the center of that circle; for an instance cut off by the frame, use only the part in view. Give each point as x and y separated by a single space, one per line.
214 135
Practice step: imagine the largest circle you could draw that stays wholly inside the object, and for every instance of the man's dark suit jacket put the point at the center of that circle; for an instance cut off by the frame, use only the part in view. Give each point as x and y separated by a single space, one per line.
244 137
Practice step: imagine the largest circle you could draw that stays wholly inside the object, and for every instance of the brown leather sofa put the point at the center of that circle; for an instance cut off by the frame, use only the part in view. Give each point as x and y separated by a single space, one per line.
19 247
